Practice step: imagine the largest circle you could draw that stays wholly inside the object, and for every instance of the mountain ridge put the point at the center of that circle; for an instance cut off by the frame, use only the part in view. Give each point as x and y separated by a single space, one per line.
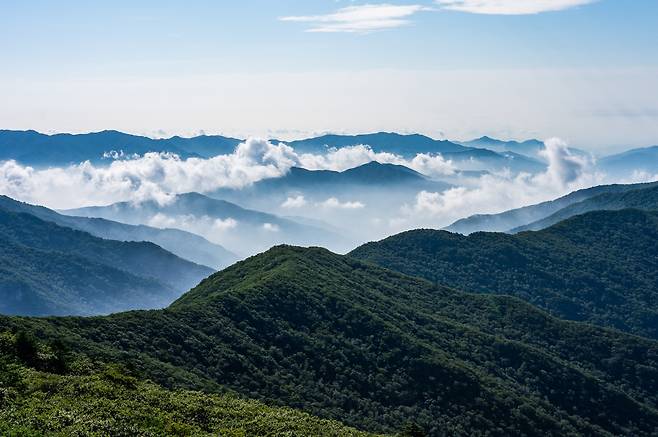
186 245
341 338
598 267
53 270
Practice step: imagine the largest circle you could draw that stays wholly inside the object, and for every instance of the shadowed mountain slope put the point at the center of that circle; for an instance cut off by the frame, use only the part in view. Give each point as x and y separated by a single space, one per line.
52 270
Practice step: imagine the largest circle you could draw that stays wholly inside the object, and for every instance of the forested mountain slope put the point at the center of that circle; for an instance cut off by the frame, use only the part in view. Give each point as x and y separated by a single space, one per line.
600 267
87 398
342 339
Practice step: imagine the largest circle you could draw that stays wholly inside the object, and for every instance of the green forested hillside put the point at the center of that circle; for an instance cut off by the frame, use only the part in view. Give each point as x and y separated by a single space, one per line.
47 269
45 390
641 198
600 267
376 349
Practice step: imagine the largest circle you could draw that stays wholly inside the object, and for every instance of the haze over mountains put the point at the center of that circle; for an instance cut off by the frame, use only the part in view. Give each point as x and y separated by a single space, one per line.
184 244
552 331
532 216
54 270
242 230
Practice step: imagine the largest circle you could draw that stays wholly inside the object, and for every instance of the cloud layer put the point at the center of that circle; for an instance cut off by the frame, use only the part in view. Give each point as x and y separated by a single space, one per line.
374 17
360 19
493 193
158 176
510 7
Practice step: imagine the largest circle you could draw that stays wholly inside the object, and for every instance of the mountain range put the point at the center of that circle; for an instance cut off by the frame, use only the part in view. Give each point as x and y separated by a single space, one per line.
643 196
186 245
481 154
373 181
399 144
243 231
340 338
625 164
34 148
600 267
48 269
520 217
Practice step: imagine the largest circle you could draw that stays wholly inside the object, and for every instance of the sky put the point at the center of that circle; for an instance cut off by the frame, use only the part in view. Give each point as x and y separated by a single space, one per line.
582 70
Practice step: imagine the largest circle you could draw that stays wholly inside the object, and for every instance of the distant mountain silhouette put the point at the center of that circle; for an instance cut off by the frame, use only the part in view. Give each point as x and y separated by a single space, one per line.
184 244
31 147
46 269
405 145
624 164
252 231
641 198
516 218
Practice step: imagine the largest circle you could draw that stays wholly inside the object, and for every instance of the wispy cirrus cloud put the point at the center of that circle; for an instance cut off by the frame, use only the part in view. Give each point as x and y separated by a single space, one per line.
360 19
510 7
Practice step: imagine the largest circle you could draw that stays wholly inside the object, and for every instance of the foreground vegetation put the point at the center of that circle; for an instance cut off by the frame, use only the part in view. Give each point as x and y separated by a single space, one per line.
46 391
375 349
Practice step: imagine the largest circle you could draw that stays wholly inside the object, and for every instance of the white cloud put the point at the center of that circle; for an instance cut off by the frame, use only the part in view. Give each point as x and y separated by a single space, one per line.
510 7
224 224
360 19
270 227
493 193
294 202
159 176
564 167
353 156
203 225
154 176
333 202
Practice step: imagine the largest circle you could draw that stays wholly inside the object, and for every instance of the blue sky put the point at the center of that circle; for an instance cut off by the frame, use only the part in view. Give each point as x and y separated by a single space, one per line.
587 72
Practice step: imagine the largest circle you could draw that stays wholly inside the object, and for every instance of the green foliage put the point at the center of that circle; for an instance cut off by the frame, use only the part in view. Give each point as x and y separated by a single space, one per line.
375 349
109 401
600 267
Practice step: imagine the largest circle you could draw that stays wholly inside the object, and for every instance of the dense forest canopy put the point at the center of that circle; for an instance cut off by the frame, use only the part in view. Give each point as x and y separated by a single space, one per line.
342 339
600 267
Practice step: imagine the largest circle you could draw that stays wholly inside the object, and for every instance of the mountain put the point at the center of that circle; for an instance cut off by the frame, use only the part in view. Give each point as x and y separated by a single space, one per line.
642 198
516 218
404 145
530 148
339 338
186 245
372 174
34 148
483 159
600 267
372 182
108 400
408 146
635 160
47 269
243 231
